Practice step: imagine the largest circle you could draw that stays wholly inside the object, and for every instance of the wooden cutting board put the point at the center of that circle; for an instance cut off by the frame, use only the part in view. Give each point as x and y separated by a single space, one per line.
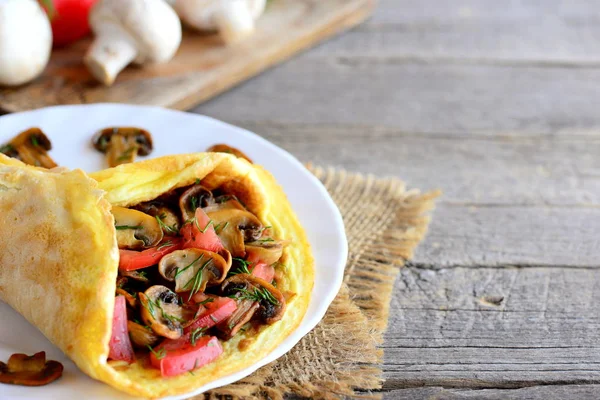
203 66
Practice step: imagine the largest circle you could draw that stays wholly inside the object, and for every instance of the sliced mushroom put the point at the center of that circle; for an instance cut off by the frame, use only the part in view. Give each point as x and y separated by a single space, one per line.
194 269
135 229
223 148
235 227
31 147
141 336
122 145
268 251
132 301
194 197
241 316
249 287
225 202
161 311
139 276
166 218
34 370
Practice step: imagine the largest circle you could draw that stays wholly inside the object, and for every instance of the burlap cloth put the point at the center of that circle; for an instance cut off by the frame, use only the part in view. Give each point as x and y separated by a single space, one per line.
341 356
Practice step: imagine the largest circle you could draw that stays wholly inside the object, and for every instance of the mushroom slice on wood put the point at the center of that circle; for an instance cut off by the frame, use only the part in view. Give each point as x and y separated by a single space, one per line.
141 336
25 370
244 288
194 197
267 250
223 148
193 269
135 229
161 311
235 227
31 147
122 145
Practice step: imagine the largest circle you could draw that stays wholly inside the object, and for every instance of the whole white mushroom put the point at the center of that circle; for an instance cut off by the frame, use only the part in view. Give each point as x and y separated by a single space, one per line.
25 41
138 31
233 19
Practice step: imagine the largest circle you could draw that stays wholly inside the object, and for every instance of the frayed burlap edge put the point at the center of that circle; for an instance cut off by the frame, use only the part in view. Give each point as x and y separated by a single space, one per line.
340 357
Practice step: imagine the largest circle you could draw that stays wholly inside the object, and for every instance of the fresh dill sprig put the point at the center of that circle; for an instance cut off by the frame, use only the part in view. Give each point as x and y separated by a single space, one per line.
220 227
196 280
160 354
242 268
124 227
165 227
180 271
259 294
196 334
165 244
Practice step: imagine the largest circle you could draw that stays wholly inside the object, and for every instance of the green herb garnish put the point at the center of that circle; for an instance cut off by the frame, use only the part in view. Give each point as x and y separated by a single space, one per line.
179 272
165 244
165 227
196 280
259 294
196 334
242 268
203 302
158 354
219 228
127 154
123 227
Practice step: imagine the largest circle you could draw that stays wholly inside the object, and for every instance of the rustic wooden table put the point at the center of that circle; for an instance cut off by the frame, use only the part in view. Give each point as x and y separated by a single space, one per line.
497 104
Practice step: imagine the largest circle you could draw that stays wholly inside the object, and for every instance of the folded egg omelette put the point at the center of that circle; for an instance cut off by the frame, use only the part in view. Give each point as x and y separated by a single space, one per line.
59 258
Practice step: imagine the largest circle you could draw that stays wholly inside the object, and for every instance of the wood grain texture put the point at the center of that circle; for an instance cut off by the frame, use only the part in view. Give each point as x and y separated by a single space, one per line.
547 392
420 98
489 170
202 68
486 327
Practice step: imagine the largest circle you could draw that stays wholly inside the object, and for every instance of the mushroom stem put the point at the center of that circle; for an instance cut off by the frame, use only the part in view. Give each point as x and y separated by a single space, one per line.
109 54
234 21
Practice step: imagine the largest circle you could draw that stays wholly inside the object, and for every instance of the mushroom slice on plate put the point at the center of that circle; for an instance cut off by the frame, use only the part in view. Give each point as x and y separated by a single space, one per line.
161 311
135 229
267 250
194 269
223 148
194 197
34 370
141 336
241 316
234 227
31 147
244 288
122 145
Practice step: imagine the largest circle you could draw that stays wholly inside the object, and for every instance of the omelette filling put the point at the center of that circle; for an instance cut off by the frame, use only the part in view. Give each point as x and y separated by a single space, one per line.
196 268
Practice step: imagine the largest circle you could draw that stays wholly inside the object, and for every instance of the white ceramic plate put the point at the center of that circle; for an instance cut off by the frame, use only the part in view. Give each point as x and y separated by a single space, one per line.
70 129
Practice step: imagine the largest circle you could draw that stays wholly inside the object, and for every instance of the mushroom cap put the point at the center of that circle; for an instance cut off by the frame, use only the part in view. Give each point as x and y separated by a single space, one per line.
143 138
25 41
33 136
151 24
188 10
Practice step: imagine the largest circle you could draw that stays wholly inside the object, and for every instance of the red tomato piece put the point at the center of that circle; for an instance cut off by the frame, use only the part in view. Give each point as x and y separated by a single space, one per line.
175 357
215 311
69 19
130 260
201 234
264 271
120 347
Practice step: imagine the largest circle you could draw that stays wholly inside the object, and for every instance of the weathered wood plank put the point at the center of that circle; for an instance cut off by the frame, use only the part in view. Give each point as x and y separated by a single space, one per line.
549 392
493 170
544 32
507 327
422 98
500 235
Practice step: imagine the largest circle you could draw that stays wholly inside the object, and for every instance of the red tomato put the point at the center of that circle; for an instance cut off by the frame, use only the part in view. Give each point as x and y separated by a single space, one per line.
130 260
260 269
119 345
264 271
216 311
193 235
176 357
69 19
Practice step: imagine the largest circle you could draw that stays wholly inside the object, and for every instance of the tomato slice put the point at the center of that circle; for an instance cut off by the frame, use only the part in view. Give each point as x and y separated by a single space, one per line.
261 269
264 271
217 310
130 260
175 357
201 234
119 346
